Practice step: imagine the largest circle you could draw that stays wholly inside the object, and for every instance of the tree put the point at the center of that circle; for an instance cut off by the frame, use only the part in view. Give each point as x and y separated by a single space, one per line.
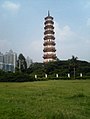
73 64
21 63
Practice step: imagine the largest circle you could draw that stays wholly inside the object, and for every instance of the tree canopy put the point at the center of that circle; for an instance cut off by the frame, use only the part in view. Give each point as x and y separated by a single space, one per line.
21 63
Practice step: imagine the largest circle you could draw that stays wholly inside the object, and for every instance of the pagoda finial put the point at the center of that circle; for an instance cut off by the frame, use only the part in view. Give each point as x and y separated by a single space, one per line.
48 13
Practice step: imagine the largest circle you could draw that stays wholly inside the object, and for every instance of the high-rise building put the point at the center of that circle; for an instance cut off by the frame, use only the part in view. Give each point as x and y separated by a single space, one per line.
49 40
29 62
8 61
1 60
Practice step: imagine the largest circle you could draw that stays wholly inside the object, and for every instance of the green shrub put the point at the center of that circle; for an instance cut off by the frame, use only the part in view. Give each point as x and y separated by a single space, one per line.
16 77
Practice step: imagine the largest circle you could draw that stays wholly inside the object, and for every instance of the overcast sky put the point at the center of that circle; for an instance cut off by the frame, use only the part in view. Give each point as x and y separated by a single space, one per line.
22 27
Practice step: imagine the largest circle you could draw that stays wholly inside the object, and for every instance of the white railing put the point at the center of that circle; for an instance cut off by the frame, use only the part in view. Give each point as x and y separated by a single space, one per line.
49 24
49 46
48 35
51 53
49 29
49 40
49 19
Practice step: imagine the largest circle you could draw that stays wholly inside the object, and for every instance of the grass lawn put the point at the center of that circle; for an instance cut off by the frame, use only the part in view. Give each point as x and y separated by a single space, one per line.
57 99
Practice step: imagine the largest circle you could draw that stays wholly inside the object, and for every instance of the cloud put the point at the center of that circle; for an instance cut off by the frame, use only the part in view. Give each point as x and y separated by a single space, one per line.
64 34
87 5
10 6
88 22
69 42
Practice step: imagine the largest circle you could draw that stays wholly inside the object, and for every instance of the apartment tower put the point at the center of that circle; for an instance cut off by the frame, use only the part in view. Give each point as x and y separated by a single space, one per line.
49 40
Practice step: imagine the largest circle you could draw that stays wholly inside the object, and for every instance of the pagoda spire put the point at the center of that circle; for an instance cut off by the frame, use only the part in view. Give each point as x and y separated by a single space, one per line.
48 13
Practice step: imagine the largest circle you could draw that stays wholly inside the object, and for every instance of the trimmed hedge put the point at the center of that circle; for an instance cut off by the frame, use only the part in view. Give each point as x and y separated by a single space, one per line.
16 77
23 77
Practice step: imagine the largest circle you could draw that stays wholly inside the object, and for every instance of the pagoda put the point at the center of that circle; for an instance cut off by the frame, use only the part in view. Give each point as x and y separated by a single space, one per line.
49 40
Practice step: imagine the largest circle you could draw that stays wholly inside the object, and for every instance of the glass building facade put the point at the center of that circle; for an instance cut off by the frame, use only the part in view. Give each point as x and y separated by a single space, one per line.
8 61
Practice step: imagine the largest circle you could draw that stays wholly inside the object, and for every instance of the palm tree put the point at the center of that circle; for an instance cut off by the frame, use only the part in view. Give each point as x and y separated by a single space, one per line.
73 64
